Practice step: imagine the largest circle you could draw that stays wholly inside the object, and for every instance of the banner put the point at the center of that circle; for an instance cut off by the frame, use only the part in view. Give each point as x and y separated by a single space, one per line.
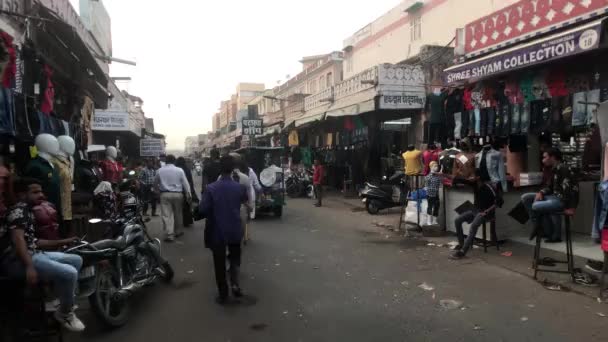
252 126
151 147
110 121
567 44
404 100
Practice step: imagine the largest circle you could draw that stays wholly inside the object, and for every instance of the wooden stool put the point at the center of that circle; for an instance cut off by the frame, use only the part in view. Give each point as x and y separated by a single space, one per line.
569 253
603 277
493 236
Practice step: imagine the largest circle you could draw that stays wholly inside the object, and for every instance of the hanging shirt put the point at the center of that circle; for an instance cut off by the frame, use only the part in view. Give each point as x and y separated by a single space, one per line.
429 156
413 164
435 106
65 183
42 170
110 171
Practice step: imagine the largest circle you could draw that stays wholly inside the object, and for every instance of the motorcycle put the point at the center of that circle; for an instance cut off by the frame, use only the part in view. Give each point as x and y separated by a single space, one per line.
299 183
387 195
117 267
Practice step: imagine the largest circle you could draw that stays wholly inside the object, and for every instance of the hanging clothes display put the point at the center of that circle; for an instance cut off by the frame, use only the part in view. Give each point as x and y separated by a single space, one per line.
8 66
48 96
64 171
413 162
293 138
491 166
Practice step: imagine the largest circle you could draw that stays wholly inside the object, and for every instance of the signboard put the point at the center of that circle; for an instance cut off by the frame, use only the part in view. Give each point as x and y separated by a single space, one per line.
151 147
563 45
402 101
110 121
252 126
524 20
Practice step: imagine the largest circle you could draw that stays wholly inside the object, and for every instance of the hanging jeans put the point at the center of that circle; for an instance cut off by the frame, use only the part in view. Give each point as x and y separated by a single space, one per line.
457 126
600 212
7 112
45 123
491 121
477 118
541 212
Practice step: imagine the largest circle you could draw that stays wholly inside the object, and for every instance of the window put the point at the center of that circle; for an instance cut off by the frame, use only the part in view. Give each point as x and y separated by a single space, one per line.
312 87
349 64
330 79
415 28
322 84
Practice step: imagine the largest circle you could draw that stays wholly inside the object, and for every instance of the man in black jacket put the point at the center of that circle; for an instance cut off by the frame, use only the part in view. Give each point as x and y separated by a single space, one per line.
560 194
211 170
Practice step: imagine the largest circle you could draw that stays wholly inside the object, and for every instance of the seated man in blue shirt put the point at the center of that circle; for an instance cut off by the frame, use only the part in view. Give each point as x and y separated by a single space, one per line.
220 205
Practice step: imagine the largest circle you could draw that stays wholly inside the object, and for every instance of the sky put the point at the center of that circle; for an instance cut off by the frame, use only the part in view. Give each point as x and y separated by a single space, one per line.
191 54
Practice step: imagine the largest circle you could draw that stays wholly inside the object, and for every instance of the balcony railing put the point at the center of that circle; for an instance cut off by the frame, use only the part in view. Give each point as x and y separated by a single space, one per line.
319 99
362 81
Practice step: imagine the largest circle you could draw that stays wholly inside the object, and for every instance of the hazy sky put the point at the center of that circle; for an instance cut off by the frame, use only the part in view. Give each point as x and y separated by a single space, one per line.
191 54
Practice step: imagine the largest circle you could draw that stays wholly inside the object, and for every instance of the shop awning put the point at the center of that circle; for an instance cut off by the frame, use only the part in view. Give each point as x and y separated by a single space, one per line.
571 42
306 119
356 109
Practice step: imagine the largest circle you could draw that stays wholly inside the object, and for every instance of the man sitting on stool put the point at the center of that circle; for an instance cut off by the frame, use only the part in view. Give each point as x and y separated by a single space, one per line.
486 201
560 194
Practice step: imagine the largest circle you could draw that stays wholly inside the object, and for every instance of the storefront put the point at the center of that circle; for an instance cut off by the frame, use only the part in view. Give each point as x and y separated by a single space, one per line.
533 92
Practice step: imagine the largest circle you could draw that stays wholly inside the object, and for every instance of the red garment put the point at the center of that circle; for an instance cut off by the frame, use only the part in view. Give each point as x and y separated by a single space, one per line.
11 68
427 157
48 98
466 98
556 83
110 171
47 227
317 176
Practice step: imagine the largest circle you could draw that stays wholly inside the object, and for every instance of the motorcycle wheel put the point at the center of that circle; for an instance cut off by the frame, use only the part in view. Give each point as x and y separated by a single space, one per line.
161 266
372 207
293 191
166 272
310 191
111 311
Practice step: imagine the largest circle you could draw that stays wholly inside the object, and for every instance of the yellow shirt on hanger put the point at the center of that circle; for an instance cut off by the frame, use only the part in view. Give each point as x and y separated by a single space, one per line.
413 163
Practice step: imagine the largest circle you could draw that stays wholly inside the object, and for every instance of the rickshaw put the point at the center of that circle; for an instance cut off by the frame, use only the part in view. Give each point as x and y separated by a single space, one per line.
266 162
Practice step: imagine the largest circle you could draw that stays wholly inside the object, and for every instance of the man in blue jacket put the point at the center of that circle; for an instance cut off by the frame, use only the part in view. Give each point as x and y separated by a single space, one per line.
220 205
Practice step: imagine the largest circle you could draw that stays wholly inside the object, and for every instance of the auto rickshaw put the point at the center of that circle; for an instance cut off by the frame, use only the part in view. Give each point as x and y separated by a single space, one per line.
266 162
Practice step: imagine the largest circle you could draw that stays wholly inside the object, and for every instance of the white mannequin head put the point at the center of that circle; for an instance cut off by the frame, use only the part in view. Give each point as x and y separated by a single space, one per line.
111 153
47 146
66 145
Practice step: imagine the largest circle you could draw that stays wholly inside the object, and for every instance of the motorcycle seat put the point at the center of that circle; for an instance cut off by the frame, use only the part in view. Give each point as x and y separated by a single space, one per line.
119 244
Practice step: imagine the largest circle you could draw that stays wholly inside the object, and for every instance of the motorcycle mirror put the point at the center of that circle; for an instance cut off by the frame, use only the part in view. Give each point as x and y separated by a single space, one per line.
94 220
131 173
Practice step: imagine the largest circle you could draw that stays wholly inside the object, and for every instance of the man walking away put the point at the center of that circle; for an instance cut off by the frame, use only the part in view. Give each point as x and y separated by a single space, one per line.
317 181
221 206
172 183
146 179
211 170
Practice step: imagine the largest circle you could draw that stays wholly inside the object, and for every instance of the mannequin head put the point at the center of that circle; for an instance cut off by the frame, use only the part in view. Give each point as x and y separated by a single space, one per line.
111 152
411 147
434 166
47 146
66 145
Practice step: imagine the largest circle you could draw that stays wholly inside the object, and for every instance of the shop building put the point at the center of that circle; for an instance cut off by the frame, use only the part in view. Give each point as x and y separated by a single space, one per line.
533 75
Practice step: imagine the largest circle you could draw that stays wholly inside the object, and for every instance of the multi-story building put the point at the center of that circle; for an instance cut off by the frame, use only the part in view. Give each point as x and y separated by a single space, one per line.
400 34
245 92
318 73
191 145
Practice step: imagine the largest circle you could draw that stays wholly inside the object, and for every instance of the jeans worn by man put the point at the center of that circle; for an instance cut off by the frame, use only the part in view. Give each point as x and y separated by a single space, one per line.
541 211
173 186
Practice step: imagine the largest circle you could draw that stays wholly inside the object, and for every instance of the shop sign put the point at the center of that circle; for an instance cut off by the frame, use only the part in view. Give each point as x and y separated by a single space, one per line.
564 45
252 126
402 101
151 147
110 121
524 20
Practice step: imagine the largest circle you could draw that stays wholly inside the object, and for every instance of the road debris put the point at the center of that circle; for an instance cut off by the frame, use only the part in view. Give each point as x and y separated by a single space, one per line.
426 287
477 327
532 306
450 304
507 254
430 244
405 283
524 319
190 272
601 314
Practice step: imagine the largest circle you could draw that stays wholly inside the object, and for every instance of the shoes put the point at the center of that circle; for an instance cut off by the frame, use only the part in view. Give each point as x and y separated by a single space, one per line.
221 300
169 239
457 255
457 248
585 279
69 321
179 234
595 266
553 240
237 292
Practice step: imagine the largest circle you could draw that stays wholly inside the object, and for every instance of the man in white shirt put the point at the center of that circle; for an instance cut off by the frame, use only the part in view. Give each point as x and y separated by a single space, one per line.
173 185
254 190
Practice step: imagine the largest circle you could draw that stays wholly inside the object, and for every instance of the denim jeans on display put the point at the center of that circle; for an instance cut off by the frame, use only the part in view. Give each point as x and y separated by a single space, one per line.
600 212
7 112
552 224
476 220
491 121
61 270
477 115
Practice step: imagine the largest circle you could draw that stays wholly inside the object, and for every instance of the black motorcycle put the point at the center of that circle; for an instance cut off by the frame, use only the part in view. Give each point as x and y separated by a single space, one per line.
389 194
299 184
117 267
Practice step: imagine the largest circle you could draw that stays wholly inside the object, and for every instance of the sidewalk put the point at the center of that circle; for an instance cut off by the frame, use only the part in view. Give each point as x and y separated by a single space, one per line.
518 261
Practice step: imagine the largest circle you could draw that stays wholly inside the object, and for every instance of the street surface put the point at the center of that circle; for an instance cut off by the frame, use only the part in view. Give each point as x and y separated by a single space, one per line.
328 274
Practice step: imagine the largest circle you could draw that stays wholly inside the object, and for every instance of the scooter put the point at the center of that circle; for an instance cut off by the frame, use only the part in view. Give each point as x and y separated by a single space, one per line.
390 194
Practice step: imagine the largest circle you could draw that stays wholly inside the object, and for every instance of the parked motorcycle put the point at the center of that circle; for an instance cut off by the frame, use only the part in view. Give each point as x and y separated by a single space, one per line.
117 267
299 184
389 194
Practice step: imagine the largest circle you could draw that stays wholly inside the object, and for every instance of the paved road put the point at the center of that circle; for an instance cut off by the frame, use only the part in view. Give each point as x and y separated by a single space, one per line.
328 275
